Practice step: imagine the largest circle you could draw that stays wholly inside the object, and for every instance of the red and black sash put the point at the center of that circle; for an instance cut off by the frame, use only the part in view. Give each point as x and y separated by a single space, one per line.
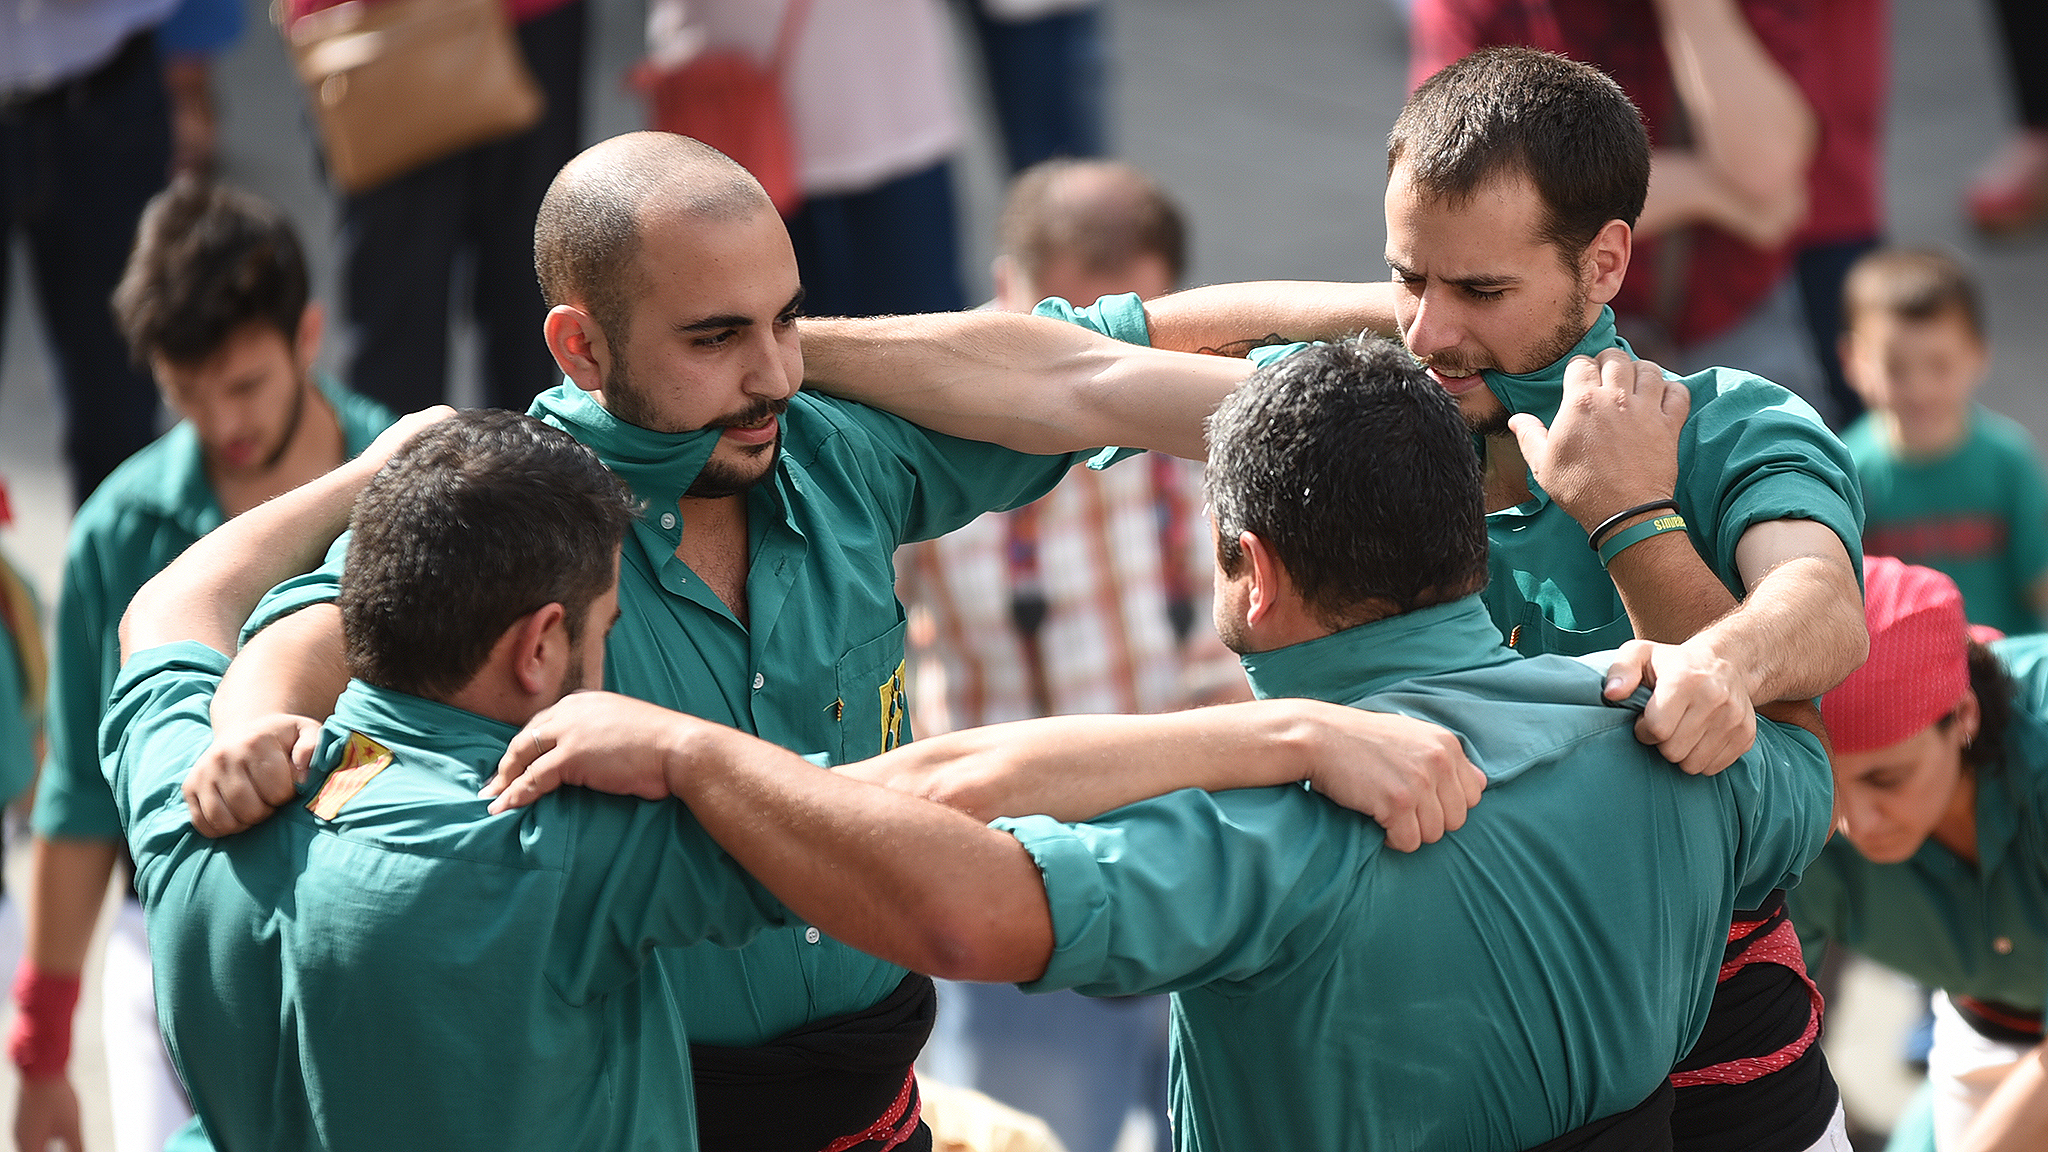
1756 1081
842 1084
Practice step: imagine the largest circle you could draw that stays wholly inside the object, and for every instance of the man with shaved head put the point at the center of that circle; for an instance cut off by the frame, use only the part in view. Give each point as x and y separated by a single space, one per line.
757 587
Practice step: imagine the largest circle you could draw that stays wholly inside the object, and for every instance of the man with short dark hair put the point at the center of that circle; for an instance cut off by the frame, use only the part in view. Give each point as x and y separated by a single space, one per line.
1329 994
215 302
385 965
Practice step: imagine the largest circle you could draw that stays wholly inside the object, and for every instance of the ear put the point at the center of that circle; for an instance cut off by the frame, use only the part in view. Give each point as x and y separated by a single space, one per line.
540 650
1010 283
1270 588
578 345
312 326
1969 717
1607 260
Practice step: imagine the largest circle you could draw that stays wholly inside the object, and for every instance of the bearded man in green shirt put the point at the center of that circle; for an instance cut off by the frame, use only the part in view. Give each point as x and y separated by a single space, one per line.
1485 993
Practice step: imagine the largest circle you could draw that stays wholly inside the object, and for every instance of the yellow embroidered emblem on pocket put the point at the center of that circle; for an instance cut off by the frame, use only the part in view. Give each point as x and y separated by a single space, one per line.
361 759
894 704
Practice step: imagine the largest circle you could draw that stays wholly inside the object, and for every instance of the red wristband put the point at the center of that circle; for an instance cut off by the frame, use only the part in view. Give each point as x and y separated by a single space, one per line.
39 1043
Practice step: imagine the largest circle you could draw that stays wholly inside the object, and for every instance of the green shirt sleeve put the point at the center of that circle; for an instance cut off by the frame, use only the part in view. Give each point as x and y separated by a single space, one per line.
927 483
1784 791
1753 452
642 876
320 586
1192 888
17 727
157 725
71 798
1119 317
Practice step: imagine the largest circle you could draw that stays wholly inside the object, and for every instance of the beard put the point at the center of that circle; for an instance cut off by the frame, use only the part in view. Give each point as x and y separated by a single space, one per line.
719 478
1489 415
628 403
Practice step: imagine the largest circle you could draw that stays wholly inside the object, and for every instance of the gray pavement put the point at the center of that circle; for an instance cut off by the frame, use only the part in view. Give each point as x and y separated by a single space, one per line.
1268 121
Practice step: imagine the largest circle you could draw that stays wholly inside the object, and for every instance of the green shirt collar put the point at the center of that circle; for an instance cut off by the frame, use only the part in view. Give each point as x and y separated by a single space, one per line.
658 466
1540 393
1353 664
421 723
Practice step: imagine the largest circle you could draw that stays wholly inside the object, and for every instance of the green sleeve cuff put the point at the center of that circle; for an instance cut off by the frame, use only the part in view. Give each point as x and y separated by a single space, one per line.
1117 317
1079 899
320 586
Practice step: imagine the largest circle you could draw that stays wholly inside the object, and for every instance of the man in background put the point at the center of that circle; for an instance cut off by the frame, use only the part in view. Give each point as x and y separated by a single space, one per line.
1089 600
215 302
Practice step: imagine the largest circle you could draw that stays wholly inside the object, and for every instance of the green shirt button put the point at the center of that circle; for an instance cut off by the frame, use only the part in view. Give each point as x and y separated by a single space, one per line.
2002 945
810 935
758 681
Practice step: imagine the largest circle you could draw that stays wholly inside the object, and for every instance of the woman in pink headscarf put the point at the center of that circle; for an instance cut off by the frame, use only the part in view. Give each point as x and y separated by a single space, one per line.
1941 866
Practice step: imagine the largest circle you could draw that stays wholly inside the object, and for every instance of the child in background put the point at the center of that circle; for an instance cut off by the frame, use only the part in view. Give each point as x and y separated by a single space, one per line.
1947 483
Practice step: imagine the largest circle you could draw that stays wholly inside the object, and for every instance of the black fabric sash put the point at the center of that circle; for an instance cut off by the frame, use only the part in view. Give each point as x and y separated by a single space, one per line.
1643 1128
1759 1009
846 1078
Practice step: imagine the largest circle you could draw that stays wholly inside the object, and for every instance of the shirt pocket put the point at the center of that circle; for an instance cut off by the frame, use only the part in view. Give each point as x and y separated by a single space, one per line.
1538 635
872 706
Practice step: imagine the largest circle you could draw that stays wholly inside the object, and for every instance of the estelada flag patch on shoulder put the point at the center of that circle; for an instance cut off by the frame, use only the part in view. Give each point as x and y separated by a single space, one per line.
361 759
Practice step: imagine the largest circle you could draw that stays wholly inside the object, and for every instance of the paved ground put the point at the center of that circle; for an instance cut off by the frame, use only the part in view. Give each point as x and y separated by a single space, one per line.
1268 120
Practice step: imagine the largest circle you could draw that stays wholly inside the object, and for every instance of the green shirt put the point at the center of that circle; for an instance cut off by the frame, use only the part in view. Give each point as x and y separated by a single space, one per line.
1978 513
18 727
1979 930
136 522
819 666
1750 452
414 972
1540 969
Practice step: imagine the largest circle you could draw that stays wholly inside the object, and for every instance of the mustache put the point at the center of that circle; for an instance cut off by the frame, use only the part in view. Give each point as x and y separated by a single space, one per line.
1449 363
754 415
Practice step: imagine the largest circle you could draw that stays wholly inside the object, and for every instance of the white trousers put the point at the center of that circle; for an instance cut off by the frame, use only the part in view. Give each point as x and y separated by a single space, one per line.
1964 1067
149 1103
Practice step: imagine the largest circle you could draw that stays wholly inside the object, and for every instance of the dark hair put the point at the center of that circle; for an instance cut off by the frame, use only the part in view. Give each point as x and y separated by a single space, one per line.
477 521
1565 125
1995 692
1103 213
1359 473
1912 284
208 260
586 237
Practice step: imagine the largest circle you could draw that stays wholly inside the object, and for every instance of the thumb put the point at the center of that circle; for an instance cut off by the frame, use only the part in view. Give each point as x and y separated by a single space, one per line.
303 749
1533 437
1631 669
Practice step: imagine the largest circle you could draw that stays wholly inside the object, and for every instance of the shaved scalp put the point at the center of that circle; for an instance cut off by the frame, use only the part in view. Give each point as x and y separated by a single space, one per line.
586 239
1104 214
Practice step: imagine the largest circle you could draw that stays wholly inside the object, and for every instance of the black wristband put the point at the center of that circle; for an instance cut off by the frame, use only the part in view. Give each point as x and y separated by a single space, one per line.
1609 524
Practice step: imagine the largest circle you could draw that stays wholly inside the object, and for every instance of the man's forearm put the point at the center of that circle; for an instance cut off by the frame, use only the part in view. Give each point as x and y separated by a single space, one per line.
1078 767
295 666
1799 632
209 590
2016 1116
67 885
895 876
1232 318
1025 382
1749 119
